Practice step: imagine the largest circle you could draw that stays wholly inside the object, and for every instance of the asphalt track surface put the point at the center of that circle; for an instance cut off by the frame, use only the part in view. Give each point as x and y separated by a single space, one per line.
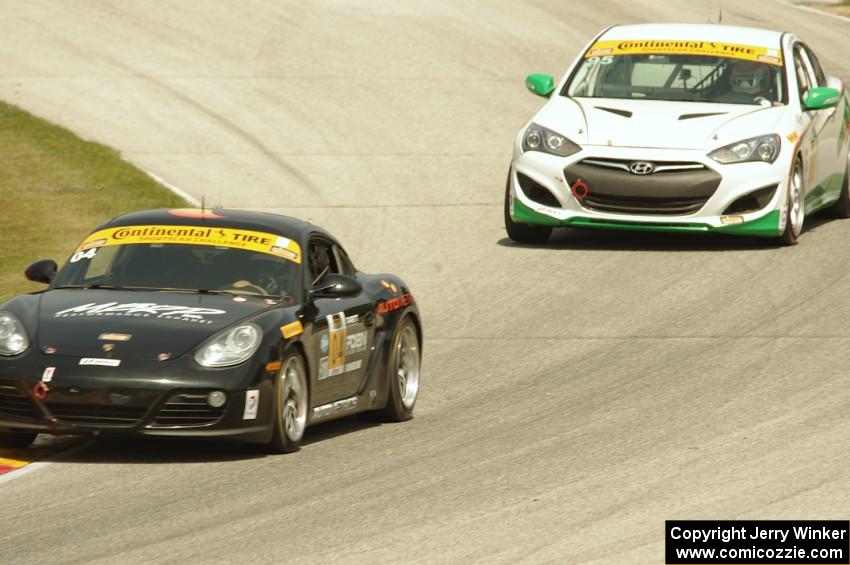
575 395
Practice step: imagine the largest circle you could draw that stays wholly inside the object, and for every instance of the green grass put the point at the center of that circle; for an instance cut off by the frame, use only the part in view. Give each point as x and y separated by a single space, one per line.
56 187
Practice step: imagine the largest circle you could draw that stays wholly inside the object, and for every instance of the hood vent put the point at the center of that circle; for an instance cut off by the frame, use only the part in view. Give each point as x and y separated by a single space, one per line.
623 113
691 116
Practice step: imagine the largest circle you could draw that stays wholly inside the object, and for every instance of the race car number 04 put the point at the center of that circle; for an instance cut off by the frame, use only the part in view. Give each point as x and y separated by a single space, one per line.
84 255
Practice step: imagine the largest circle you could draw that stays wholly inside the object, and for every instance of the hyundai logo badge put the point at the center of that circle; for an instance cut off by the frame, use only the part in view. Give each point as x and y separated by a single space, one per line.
642 168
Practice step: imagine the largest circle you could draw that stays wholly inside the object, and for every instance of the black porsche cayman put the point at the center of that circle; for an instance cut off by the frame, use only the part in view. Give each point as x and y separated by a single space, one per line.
205 323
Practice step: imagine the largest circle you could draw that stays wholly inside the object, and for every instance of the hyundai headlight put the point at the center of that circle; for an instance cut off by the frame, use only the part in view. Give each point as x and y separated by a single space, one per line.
13 336
230 346
538 138
757 149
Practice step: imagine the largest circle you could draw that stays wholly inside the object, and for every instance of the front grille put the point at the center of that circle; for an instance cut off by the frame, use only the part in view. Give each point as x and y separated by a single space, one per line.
674 188
660 166
97 415
188 410
636 205
15 403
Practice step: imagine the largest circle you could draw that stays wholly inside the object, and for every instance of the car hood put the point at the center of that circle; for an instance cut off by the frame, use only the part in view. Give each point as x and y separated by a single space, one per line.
135 325
656 124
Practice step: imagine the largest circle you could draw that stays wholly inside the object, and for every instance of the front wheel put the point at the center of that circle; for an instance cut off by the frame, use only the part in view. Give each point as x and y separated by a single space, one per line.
522 233
795 211
403 373
17 440
291 405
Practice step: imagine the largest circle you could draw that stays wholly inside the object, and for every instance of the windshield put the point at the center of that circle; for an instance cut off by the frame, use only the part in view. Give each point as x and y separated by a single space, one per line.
673 77
196 259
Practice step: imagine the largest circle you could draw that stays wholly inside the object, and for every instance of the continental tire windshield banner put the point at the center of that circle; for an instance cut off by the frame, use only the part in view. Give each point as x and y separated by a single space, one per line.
679 47
196 235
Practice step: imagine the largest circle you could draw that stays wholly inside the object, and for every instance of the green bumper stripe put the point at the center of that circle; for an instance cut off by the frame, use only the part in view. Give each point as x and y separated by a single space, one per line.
766 226
525 215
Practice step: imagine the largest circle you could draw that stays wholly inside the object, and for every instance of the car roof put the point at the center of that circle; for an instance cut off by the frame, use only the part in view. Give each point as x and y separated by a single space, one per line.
696 32
276 224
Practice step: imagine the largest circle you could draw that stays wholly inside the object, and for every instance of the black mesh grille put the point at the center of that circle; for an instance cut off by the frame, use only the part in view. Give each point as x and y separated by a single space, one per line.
643 205
186 409
15 403
97 415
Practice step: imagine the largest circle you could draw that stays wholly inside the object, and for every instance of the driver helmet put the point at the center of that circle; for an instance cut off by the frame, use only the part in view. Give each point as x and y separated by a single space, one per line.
749 78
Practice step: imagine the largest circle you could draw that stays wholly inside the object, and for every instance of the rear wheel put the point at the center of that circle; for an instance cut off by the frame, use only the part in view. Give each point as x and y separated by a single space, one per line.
841 209
403 373
522 233
291 405
795 212
17 440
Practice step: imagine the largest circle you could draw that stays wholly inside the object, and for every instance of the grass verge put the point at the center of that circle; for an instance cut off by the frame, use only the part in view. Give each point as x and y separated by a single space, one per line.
56 187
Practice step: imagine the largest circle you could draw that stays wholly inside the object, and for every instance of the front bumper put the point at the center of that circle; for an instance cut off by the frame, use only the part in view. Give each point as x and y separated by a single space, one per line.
137 400
541 192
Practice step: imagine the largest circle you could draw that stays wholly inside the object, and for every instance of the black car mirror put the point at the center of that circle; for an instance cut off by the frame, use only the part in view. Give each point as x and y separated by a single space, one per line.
42 271
336 286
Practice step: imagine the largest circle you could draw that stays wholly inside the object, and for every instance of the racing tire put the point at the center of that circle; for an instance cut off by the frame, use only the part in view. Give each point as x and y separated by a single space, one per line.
522 233
17 440
795 212
841 208
403 372
292 401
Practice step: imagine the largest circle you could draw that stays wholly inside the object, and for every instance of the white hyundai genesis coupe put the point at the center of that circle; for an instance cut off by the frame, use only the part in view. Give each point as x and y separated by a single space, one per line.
681 127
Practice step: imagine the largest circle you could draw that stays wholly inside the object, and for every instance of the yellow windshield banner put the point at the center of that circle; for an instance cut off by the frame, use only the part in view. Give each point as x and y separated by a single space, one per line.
196 235
678 47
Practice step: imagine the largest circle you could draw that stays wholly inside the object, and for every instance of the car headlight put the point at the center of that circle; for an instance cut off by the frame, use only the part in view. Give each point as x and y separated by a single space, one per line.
764 149
230 346
13 336
538 138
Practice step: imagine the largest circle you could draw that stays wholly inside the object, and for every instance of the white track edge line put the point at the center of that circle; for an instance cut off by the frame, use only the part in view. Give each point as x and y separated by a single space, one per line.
175 189
813 10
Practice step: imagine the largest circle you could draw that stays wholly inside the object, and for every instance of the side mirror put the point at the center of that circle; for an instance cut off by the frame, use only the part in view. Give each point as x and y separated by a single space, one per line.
43 271
821 98
336 286
540 84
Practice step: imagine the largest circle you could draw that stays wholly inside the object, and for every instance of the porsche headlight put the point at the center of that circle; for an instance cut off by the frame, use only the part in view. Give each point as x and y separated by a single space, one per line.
764 149
230 346
13 336
538 138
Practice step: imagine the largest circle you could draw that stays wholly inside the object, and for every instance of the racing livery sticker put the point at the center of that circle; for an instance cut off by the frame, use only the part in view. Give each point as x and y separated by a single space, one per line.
392 304
292 330
142 310
678 47
100 362
336 347
196 235
252 403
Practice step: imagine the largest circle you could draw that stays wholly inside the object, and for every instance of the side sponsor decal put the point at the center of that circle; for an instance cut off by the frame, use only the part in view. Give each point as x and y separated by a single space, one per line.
142 310
337 333
292 330
252 403
195 235
392 304
337 344
678 47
